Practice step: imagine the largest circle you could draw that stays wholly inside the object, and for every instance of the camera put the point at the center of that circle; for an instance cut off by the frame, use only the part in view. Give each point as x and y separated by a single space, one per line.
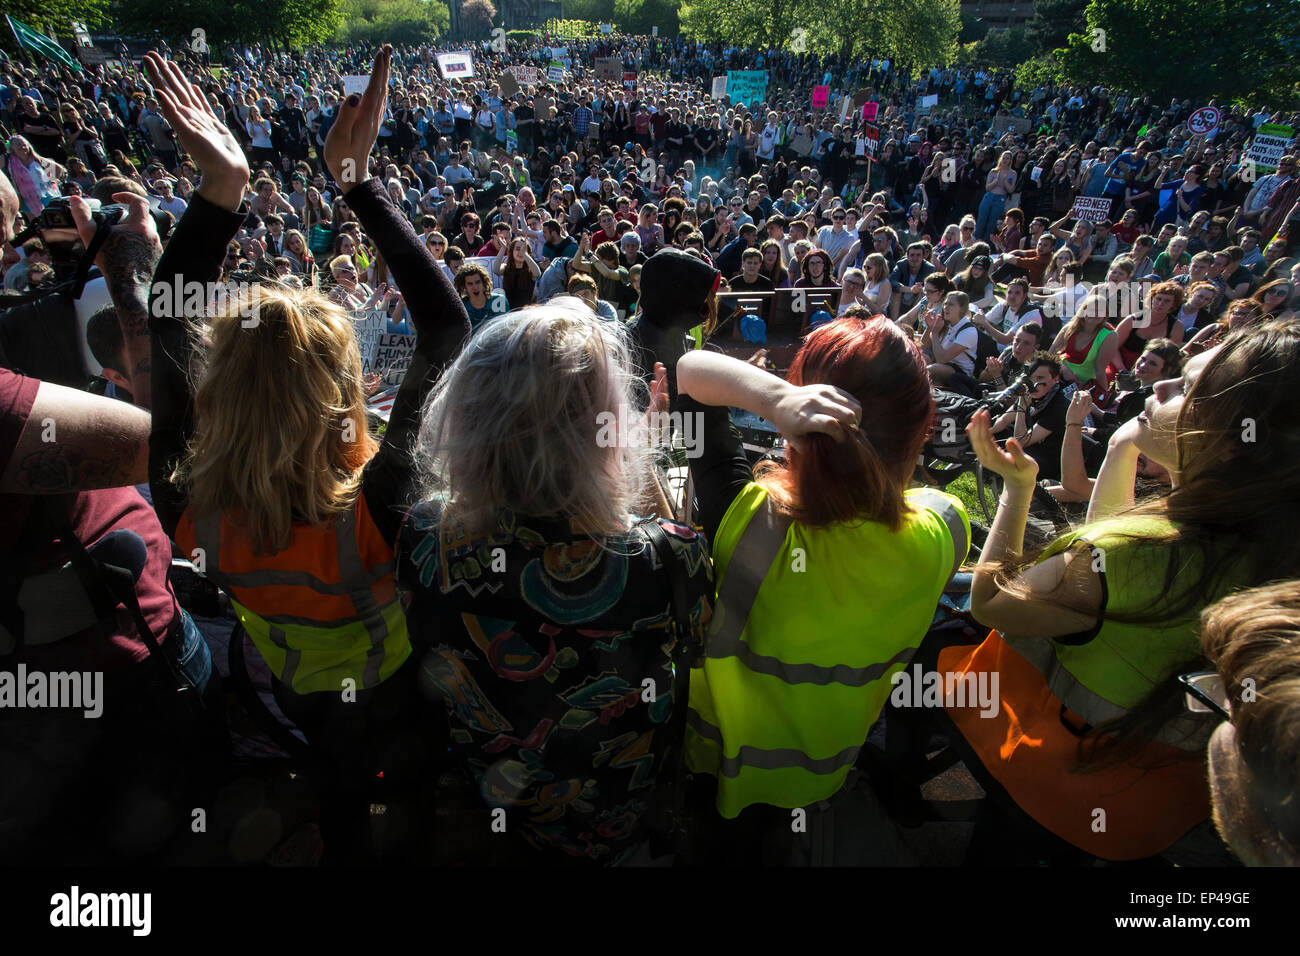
1127 381
1004 399
58 215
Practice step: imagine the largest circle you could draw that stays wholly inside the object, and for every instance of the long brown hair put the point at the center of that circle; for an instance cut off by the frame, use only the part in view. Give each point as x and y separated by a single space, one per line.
1233 515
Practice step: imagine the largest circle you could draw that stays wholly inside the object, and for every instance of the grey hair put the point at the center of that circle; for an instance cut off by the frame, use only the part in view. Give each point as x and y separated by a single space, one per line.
540 414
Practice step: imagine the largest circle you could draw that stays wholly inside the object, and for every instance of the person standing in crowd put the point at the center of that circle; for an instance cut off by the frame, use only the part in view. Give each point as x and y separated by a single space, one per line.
267 497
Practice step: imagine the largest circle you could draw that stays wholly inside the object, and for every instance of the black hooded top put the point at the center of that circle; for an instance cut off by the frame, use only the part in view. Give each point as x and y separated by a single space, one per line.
674 287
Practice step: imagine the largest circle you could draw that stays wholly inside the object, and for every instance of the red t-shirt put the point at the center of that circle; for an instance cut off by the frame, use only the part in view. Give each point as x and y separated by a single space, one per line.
92 514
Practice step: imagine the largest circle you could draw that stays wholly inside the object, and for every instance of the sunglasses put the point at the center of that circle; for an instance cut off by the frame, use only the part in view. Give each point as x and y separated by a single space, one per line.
1205 693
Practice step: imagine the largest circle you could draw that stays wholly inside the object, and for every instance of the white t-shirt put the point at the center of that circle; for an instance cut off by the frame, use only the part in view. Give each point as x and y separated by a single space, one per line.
1004 320
964 334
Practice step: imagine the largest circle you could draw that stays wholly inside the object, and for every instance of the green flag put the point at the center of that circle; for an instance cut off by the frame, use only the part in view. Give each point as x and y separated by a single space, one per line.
29 39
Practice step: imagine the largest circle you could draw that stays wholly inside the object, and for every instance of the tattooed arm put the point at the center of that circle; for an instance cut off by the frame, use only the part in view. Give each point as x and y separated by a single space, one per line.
127 259
75 441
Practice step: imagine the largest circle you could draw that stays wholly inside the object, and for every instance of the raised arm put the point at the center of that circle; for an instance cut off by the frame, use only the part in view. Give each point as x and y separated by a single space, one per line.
193 255
438 315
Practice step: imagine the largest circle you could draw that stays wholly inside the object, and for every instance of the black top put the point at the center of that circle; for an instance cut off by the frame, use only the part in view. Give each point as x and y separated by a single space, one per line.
195 254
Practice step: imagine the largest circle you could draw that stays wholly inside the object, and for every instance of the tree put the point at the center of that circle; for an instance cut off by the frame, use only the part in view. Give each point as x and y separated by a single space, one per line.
284 23
54 17
918 33
477 15
973 29
374 22
1052 23
1243 50
767 24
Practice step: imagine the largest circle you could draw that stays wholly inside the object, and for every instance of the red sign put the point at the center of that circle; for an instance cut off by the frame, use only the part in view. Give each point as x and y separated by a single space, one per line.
869 111
1204 121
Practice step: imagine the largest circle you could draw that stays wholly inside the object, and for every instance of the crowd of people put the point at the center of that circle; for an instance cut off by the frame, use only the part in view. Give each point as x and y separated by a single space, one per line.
472 586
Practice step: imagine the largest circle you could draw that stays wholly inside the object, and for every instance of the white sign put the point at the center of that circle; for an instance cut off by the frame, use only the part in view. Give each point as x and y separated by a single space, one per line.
719 87
355 84
456 66
928 101
607 28
391 357
1268 146
555 72
1091 208
368 326
525 74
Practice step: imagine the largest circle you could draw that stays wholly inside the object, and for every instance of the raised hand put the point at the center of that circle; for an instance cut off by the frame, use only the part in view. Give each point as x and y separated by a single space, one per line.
202 134
1015 467
348 145
816 409
1080 407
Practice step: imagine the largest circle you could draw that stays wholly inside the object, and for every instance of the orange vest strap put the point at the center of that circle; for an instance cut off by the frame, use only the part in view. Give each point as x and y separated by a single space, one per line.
1031 746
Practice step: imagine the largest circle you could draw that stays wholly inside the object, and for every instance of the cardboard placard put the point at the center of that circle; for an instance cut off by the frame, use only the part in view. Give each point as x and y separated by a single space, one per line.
391 355
354 84
609 67
525 74
719 87
821 96
869 112
555 72
509 85
1014 124
1091 208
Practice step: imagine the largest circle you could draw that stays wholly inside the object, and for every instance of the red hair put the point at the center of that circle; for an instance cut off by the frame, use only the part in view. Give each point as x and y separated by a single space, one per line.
863 478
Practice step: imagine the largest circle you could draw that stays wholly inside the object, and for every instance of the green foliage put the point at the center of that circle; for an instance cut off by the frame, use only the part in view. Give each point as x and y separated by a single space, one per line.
1053 22
392 21
973 28
1234 49
521 36
574 29
1001 49
284 22
919 32
54 17
1042 70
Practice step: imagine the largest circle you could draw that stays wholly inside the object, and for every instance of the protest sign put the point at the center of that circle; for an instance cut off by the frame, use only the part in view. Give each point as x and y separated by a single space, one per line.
512 141
368 326
391 357
629 80
719 87
456 66
609 68
354 84
1268 146
1014 124
869 111
870 141
821 95
555 72
1091 208
559 52
1204 121
746 86
525 74
509 85
929 101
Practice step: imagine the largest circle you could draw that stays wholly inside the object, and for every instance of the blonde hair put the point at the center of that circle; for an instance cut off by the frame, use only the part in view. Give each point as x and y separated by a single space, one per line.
521 421
280 417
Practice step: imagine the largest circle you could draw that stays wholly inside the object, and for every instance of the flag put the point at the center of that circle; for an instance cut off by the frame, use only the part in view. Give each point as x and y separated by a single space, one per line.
29 39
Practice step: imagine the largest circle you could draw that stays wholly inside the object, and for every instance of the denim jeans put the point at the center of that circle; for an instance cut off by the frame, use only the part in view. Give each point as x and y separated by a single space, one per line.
189 651
991 208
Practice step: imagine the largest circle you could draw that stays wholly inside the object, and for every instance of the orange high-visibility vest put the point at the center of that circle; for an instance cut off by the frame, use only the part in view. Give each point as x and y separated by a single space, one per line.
321 612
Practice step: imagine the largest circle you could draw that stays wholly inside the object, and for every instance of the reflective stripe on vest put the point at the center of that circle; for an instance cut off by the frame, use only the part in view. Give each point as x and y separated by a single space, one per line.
785 732
1129 810
366 646
944 508
1186 733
